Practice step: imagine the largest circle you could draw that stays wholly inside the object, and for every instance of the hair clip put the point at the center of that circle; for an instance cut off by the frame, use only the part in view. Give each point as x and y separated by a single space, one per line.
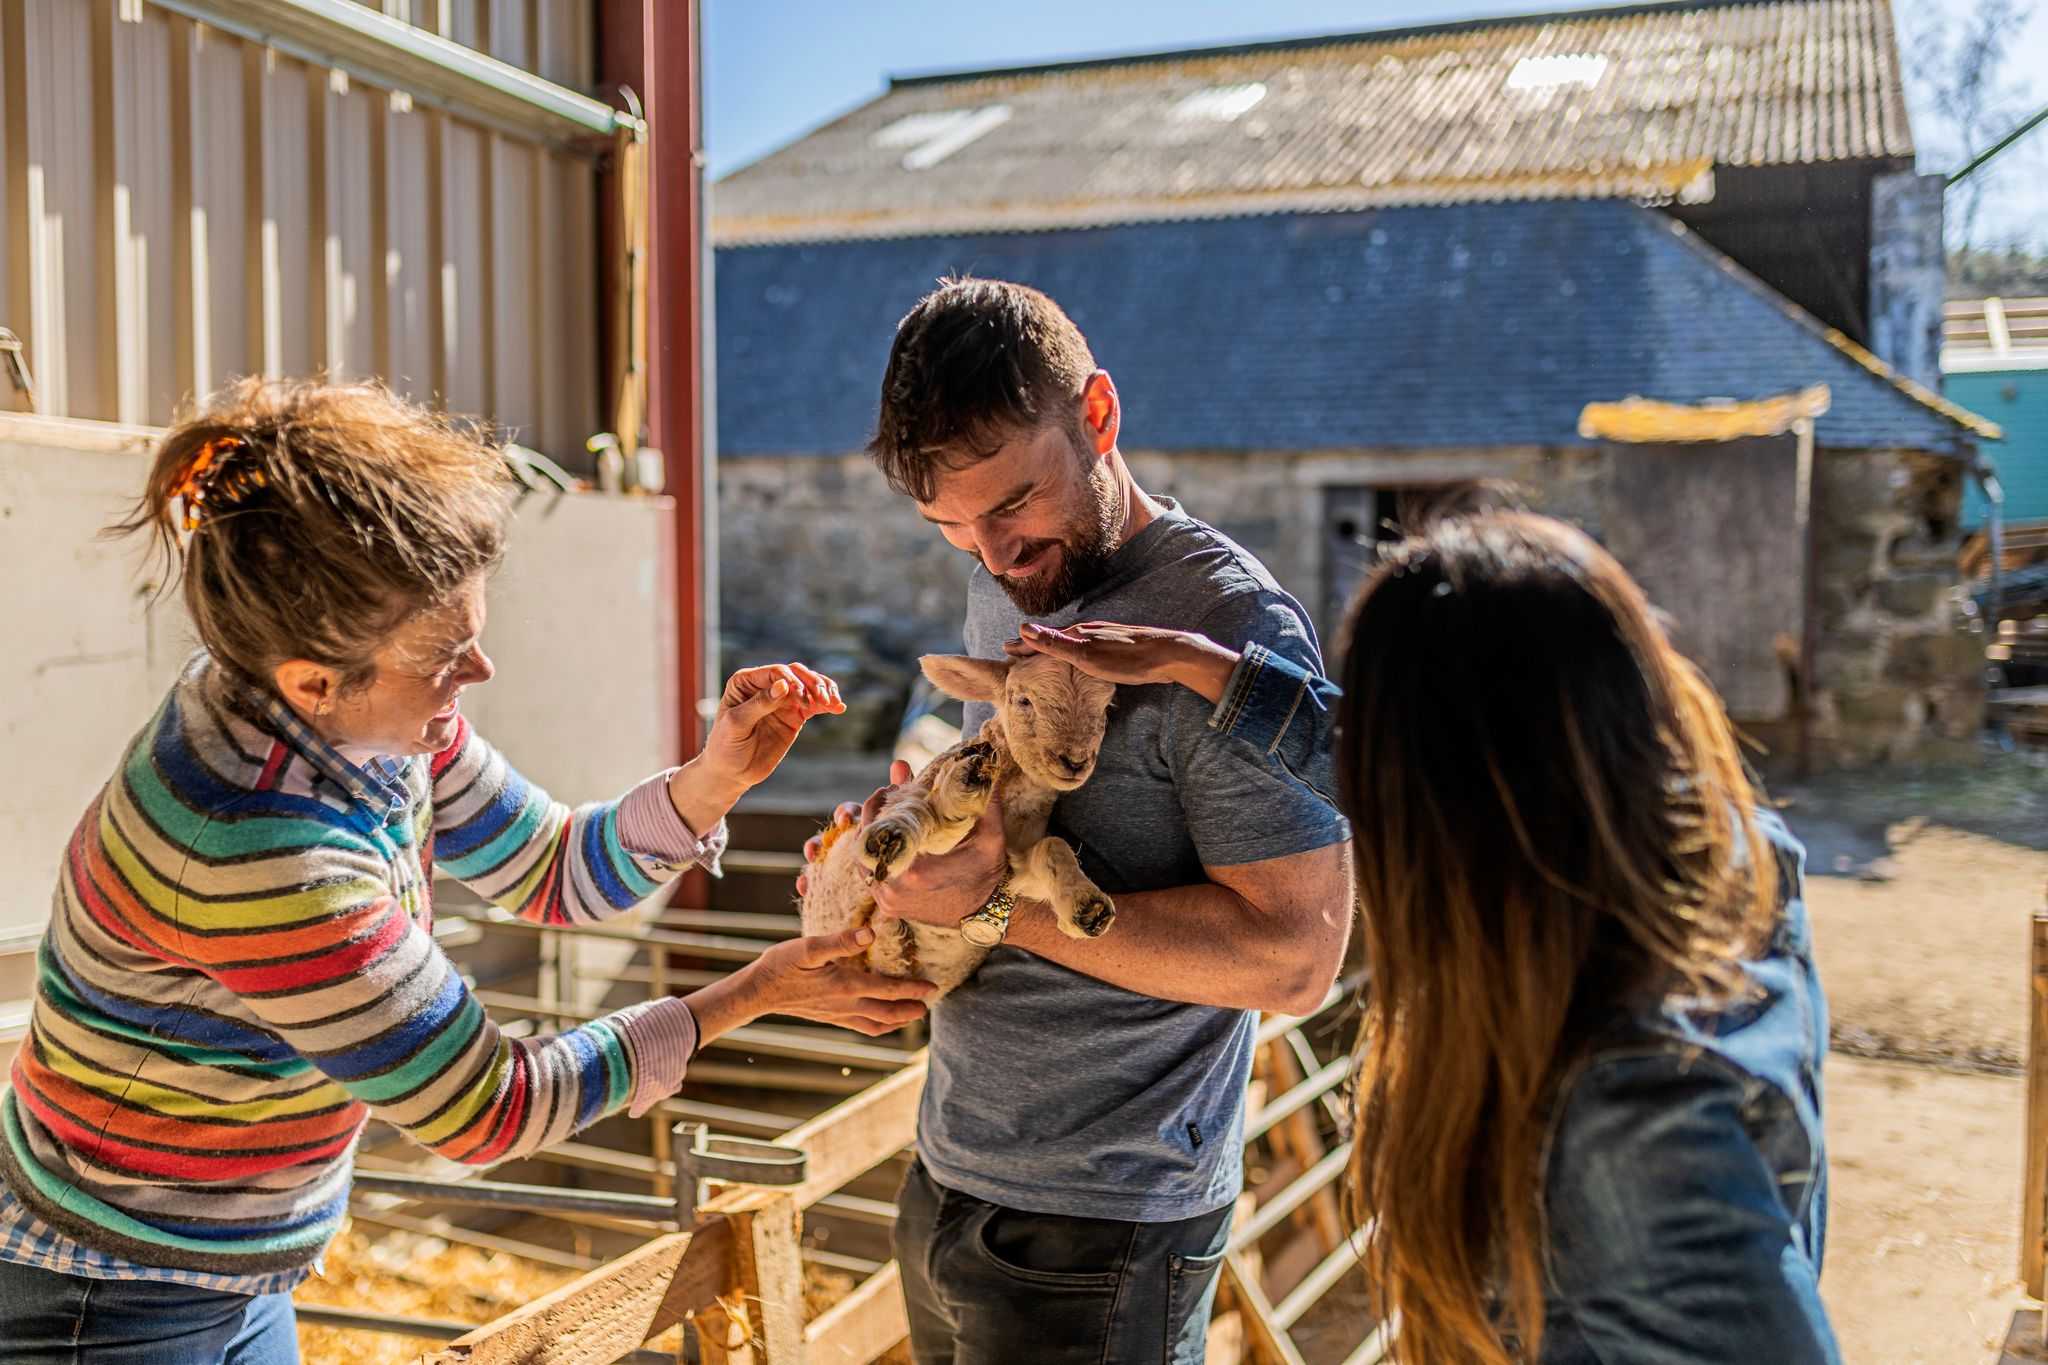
198 483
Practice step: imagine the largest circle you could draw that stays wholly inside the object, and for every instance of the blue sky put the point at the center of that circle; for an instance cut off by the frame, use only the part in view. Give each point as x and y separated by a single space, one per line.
776 68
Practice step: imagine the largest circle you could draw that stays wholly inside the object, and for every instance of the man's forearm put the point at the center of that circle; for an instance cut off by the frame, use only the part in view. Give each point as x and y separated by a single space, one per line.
1205 945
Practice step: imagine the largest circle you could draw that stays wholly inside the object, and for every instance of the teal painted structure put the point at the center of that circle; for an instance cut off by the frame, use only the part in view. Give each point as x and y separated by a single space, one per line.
2017 400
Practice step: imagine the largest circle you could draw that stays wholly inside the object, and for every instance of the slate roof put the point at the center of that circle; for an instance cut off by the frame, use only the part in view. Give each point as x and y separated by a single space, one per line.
1641 102
1468 325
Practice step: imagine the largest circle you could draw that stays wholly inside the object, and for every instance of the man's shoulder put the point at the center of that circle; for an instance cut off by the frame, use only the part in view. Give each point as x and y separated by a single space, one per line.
1233 598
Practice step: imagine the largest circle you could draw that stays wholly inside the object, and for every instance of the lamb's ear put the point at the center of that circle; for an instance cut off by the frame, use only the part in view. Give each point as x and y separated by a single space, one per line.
957 675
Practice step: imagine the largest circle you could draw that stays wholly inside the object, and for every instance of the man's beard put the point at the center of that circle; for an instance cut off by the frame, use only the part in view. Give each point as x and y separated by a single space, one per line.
1084 554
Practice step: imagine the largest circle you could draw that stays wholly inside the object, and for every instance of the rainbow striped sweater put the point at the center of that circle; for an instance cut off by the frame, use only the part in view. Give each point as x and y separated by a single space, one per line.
240 968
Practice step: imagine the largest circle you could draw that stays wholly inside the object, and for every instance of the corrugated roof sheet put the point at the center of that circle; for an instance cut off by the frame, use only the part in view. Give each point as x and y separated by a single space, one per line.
1471 325
1637 102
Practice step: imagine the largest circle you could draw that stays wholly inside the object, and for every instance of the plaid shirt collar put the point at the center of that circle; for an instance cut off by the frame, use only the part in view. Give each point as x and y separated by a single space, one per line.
379 784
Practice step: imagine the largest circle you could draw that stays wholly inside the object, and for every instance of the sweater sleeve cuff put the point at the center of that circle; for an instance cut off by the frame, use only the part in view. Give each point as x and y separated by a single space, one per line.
655 834
662 1038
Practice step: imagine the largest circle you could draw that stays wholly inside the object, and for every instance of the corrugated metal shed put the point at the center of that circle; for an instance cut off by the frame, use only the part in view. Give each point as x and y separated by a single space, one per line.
1472 325
1640 101
182 206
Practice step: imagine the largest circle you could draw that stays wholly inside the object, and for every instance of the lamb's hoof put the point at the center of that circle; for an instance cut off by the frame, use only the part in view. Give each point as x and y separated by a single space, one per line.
884 848
1094 915
979 764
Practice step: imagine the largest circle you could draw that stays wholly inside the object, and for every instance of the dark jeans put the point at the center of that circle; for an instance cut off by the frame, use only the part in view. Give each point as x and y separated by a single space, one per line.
52 1319
987 1285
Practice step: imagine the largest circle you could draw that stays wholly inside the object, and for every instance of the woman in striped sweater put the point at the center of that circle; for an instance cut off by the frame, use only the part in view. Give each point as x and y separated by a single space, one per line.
240 966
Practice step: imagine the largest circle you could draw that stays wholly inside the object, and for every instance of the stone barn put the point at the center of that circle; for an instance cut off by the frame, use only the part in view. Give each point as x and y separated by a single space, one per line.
1639 263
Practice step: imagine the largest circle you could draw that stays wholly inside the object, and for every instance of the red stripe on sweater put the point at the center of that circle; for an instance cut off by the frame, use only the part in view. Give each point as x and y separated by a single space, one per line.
172 1130
386 925
515 1112
447 756
108 900
267 780
546 905
101 1146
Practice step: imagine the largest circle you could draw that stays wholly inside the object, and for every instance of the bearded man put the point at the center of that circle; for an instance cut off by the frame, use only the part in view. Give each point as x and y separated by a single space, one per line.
1080 1145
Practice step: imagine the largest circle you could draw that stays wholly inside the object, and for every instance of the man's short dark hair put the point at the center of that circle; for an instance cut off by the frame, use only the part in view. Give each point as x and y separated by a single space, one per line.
975 365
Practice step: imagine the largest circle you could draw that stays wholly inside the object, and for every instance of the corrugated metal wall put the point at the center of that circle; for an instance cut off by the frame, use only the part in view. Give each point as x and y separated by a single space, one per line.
182 207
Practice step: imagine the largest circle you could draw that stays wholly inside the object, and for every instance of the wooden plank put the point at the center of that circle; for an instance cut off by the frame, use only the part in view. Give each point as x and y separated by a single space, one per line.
1326 1079
768 1277
449 1231
1320 1281
798 1078
611 1310
848 1139
1374 1348
1298 1130
713 947
1273 1212
2034 1206
862 1325
1265 1342
27 309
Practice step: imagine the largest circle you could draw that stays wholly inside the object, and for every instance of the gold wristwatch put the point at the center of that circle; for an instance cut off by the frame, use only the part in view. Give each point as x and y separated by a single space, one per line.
986 927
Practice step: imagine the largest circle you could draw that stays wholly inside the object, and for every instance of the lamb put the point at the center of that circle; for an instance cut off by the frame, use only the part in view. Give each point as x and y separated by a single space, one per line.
1042 741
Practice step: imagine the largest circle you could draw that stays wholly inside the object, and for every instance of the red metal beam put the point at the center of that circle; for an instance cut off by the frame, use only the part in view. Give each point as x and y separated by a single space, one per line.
652 46
675 333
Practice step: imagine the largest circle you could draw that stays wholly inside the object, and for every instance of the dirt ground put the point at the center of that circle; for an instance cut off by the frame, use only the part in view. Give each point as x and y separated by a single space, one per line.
1921 888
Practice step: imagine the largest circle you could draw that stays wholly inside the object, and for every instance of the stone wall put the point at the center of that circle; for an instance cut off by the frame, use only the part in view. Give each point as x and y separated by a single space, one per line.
821 561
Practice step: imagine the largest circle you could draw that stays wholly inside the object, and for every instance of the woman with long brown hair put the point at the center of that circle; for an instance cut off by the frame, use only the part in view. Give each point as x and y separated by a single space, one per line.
1587 1096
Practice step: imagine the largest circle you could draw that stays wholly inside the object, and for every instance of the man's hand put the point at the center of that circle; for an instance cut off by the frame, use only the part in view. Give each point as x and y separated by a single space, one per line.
940 889
944 888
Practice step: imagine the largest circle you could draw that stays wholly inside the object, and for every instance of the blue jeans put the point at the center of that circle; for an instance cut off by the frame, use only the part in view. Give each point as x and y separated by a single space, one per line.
988 1285
52 1319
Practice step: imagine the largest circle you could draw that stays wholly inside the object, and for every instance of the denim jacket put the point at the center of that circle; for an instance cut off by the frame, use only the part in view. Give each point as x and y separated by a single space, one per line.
1686 1174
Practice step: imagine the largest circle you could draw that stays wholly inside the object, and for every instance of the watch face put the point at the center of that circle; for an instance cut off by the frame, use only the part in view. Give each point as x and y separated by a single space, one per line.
981 933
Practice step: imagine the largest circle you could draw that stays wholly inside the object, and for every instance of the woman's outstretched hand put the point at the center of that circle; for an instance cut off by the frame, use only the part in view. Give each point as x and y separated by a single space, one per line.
822 978
1133 654
760 714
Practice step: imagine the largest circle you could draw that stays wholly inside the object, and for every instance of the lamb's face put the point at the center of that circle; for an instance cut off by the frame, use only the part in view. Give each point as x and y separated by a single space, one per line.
1054 717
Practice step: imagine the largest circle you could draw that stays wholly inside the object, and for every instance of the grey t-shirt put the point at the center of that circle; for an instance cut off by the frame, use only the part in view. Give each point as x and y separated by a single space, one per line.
1056 1093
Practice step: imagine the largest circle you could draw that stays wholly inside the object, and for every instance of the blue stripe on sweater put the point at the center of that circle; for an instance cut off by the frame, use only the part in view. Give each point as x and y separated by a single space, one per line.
605 873
394 1045
592 1083
165 1025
